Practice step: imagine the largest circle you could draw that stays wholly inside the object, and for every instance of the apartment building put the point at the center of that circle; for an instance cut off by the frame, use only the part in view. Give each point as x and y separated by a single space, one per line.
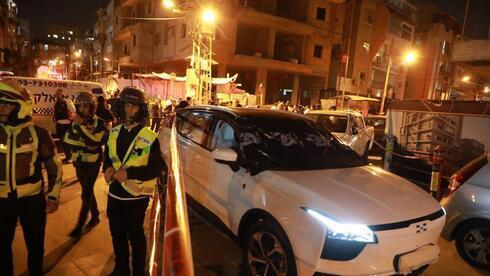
420 133
280 49
430 77
14 38
374 32
103 35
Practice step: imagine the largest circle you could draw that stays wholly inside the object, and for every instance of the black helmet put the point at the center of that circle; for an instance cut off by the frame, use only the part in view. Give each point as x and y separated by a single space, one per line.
13 93
136 96
85 98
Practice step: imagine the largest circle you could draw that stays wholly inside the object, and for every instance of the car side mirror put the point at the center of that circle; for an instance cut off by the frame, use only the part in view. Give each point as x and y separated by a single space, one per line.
226 156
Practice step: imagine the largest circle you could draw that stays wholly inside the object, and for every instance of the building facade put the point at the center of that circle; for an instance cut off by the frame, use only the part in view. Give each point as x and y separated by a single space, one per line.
375 32
280 49
431 76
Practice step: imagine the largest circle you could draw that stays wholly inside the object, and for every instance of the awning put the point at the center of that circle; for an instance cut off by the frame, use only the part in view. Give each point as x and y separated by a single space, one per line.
166 76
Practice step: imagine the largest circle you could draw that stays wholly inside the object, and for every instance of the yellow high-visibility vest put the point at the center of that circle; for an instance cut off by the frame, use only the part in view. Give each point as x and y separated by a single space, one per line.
137 155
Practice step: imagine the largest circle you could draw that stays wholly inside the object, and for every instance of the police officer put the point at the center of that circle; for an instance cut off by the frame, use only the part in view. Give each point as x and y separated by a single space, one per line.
85 138
24 147
131 167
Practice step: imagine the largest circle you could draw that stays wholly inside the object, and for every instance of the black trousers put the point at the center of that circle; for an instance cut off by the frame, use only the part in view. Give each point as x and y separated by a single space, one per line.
87 175
31 211
126 218
61 130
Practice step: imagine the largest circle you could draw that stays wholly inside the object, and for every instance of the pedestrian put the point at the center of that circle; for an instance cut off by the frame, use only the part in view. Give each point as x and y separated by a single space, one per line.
237 103
104 112
63 122
27 147
155 116
184 103
86 137
132 164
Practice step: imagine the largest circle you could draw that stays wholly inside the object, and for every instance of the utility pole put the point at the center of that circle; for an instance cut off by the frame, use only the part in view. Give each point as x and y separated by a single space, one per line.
465 17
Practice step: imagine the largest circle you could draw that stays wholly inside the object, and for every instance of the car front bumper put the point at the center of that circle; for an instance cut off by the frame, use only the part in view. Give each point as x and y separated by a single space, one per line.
399 251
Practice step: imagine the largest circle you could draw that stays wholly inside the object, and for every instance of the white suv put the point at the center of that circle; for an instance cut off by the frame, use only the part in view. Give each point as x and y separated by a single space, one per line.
299 200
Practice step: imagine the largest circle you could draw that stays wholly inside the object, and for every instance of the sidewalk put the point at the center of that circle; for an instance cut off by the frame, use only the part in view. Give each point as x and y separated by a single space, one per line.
91 255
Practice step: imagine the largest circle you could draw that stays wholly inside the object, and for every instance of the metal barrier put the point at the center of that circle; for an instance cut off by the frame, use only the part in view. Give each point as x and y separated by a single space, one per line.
177 252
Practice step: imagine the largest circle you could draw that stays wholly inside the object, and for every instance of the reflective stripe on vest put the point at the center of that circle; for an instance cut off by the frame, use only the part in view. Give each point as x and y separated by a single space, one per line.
137 155
11 150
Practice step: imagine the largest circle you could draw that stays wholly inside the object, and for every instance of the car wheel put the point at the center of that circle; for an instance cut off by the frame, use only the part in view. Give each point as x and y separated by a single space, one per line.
419 270
473 244
266 251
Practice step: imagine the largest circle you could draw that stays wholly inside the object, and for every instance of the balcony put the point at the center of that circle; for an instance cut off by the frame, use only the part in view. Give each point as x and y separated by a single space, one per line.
271 64
256 18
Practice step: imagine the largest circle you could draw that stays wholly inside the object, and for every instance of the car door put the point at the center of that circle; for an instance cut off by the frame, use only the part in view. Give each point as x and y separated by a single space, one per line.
195 156
363 136
225 184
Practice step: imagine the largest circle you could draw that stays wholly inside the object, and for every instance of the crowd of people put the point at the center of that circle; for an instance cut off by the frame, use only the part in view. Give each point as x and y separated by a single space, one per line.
94 135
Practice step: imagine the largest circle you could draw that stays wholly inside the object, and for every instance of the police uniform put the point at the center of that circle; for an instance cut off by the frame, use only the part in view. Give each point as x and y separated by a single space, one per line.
135 149
86 141
24 147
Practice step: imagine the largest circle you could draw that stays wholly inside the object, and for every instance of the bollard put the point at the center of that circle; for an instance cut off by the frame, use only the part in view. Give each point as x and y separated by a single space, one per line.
436 176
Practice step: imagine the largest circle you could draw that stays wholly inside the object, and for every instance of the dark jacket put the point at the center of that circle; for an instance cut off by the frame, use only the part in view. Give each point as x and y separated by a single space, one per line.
61 110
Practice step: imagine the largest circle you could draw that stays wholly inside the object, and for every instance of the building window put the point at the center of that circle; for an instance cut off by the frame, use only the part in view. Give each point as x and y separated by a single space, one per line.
362 76
406 32
365 47
318 51
183 31
369 19
46 47
126 49
134 40
321 13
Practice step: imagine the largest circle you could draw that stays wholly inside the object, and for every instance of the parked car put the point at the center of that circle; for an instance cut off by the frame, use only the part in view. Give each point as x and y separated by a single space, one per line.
468 212
348 126
299 200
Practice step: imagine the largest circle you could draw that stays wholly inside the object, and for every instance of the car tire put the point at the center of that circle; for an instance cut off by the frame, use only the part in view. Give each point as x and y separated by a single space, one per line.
473 243
265 247
419 271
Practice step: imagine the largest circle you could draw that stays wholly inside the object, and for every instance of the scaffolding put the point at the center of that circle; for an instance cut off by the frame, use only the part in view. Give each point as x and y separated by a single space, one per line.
202 61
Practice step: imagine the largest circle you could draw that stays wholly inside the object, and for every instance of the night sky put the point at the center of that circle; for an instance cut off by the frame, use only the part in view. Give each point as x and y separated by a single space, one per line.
81 13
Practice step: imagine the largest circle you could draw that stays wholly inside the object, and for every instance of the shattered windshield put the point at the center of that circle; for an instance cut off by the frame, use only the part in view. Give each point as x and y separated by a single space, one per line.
286 143
334 123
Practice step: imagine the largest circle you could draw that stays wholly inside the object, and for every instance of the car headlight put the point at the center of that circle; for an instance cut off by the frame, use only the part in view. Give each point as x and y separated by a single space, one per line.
344 231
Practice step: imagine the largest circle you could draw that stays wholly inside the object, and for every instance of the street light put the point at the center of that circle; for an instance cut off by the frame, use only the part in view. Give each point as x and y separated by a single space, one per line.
466 79
77 54
208 16
408 59
168 4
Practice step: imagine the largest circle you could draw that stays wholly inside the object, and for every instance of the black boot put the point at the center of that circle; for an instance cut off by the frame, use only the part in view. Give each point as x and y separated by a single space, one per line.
93 222
76 232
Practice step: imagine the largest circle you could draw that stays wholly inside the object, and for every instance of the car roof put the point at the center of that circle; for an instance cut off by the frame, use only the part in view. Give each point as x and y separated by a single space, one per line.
246 111
335 112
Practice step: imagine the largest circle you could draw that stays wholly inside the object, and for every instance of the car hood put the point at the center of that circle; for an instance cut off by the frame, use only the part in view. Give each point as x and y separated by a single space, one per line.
366 195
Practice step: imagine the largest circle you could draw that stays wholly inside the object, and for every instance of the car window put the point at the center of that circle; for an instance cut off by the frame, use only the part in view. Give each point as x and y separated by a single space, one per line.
223 136
179 120
195 126
376 122
333 123
278 143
